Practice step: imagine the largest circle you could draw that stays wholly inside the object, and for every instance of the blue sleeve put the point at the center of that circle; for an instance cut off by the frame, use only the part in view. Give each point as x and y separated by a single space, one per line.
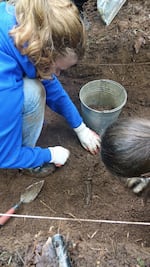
59 101
12 68
12 153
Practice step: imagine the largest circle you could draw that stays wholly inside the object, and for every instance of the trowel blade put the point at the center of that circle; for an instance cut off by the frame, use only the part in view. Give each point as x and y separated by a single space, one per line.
31 192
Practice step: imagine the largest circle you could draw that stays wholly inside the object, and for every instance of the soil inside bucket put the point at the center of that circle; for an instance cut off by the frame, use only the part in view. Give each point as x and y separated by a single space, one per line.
101 107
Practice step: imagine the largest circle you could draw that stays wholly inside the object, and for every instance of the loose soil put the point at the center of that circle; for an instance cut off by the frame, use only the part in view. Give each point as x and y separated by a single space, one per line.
101 108
83 188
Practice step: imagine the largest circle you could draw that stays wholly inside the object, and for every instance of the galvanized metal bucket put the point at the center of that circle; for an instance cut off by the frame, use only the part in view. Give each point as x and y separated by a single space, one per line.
101 103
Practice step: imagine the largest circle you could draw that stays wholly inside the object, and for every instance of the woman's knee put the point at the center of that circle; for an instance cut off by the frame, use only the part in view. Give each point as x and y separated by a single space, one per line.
34 94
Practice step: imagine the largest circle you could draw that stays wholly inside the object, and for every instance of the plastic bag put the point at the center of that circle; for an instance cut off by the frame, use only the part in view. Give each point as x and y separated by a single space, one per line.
108 9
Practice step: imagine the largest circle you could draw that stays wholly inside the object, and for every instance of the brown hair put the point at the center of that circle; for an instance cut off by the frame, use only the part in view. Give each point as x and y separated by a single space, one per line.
125 147
46 29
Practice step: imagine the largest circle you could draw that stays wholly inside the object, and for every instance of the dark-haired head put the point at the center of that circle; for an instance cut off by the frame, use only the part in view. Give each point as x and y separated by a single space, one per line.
125 147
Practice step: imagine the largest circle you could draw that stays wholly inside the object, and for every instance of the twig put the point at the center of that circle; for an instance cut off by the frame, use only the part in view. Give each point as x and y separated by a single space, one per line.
20 257
47 206
73 216
88 183
10 259
88 196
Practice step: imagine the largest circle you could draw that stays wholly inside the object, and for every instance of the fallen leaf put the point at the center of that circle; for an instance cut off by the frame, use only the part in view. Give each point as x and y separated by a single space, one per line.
138 43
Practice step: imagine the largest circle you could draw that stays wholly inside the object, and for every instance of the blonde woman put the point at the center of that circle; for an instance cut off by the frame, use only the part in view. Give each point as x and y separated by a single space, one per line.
38 39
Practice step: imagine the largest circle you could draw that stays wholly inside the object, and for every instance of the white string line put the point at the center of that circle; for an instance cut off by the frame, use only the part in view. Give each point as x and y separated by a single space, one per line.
116 64
74 219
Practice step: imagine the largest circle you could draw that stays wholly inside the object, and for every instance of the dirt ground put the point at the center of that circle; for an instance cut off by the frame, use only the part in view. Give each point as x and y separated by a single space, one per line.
120 52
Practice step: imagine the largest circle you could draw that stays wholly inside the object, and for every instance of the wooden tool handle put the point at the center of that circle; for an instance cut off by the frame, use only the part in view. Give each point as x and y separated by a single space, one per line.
5 218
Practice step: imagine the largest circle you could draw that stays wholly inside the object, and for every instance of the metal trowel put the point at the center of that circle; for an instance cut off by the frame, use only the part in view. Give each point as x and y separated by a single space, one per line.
30 193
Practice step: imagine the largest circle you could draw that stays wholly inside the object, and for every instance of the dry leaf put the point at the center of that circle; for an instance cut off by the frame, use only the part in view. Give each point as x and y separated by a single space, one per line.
138 43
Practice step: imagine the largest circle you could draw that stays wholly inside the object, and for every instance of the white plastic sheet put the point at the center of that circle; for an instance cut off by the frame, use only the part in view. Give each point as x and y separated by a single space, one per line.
108 9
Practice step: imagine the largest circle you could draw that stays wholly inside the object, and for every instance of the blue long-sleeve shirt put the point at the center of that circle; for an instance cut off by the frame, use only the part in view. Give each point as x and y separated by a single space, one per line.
13 67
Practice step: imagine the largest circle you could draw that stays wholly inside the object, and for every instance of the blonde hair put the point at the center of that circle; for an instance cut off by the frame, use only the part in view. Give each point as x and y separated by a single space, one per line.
46 29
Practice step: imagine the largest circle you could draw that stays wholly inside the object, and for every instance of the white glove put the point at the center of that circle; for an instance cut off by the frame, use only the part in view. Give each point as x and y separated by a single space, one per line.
137 184
59 155
88 138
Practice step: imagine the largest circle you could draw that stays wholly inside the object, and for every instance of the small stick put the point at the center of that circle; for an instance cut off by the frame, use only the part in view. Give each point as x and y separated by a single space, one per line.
88 196
47 206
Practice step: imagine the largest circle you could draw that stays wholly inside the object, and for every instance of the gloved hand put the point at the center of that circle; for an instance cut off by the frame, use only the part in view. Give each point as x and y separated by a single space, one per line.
88 138
137 184
59 155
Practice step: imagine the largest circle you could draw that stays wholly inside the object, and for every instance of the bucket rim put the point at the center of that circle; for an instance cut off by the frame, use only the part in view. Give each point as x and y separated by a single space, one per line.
104 111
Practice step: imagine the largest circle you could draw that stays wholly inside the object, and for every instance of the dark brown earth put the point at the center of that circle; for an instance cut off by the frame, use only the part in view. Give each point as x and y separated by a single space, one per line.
120 52
101 107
